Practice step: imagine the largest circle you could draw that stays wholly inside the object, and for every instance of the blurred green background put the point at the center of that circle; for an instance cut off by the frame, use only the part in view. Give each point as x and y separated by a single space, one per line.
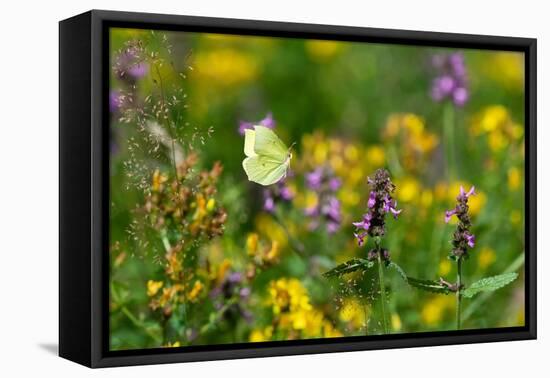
351 108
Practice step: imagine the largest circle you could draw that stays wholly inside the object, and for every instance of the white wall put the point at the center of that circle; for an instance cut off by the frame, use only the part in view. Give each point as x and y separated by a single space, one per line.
29 189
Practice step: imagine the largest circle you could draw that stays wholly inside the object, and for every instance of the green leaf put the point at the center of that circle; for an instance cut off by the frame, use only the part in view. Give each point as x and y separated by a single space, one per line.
349 267
399 270
489 284
428 285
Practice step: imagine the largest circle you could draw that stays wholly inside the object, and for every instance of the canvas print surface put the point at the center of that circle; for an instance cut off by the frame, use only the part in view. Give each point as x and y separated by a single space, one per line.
267 189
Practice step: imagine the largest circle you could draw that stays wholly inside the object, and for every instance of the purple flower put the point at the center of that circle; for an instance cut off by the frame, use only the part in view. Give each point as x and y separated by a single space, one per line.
115 101
332 227
314 179
364 223
360 238
465 194
332 209
460 96
276 193
268 122
470 239
269 204
312 211
394 211
449 214
335 184
372 200
286 193
450 81
232 286
130 64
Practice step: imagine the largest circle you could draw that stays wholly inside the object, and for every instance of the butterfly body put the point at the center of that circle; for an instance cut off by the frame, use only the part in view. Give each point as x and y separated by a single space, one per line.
267 157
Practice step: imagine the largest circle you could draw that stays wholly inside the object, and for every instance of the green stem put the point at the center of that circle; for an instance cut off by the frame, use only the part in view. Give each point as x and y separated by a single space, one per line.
382 288
458 291
449 135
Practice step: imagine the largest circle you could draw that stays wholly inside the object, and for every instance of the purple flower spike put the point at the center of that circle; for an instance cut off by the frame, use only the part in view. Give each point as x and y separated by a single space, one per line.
463 239
471 239
328 208
372 200
450 79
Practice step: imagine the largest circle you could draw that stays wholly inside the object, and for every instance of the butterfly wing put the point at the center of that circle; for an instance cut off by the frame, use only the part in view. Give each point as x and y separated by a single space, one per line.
263 170
249 140
267 143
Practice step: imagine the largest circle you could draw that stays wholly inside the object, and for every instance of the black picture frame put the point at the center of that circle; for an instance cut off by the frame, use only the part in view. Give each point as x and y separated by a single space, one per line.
84 188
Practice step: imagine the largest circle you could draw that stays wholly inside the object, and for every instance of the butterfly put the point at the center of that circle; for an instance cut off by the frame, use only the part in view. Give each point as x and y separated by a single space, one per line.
267 157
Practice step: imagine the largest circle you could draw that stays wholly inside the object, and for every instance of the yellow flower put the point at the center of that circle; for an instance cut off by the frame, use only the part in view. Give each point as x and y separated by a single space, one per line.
153 287
353 312
486 257
415 142
195 291
321 51
226 67
376 156
351 152
409 189
506 68
290 304
435 308
252 244
496 122
330 331
158 180
210 205
426 198
173 345
491 119
273 253
514 178
445 267
259 335
497 141
396 322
